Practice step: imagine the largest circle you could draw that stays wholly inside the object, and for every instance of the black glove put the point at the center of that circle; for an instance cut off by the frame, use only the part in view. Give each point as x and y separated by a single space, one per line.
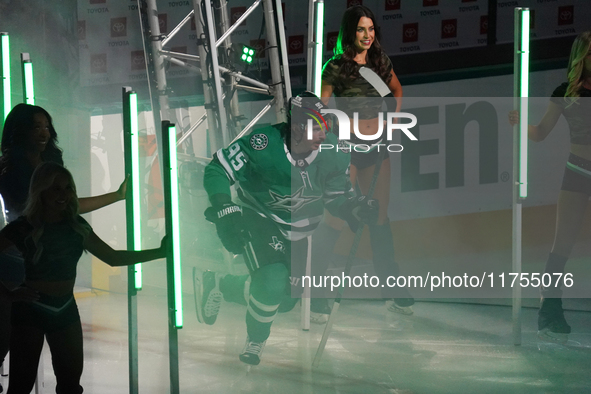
229 225
359 209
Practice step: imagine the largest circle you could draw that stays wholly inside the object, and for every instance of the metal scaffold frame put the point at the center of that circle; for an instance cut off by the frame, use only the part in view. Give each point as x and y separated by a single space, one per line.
219 82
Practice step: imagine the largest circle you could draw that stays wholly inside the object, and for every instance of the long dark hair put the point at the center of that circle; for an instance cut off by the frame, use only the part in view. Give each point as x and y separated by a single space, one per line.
18 125
344 51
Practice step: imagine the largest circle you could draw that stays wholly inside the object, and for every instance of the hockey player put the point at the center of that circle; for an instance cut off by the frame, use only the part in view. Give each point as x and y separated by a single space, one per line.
284 182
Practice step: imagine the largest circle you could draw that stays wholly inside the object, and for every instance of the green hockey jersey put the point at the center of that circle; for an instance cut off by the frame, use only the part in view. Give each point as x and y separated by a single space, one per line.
290 190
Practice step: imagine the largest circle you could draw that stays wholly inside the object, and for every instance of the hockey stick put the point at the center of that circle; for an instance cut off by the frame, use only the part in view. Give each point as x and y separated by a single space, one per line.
348 266
383 89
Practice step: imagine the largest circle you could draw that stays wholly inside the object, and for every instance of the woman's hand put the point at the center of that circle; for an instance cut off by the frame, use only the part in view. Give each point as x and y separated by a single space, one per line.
513 117
165 245
122 191
23 294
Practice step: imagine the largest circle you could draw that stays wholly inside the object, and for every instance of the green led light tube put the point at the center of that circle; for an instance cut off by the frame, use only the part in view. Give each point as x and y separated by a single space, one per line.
29 89
524 97
135 185
176 231
5 76
319 46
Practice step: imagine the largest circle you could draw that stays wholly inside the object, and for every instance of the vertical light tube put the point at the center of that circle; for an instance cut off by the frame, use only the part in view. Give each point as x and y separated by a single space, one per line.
524 96
176 229
173 255
135 185
171 212
5 76
311 48
132 219
519 190
28 87
319 46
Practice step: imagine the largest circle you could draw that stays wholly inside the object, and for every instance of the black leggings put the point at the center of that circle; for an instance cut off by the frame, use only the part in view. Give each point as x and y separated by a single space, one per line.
31 324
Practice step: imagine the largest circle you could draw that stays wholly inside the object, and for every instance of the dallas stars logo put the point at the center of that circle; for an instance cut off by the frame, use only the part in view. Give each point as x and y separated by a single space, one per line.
277 245
290 203
259 141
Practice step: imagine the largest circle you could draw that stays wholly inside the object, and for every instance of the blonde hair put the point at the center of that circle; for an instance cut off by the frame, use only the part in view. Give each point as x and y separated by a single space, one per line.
576 65
43 178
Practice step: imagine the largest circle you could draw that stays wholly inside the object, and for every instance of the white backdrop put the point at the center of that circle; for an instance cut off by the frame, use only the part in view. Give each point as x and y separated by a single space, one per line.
111 48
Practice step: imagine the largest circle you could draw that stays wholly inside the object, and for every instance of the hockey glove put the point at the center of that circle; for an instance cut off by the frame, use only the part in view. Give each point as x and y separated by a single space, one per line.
229 225
359 209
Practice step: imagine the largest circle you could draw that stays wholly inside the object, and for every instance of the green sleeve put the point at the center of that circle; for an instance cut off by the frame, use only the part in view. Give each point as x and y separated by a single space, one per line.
228 166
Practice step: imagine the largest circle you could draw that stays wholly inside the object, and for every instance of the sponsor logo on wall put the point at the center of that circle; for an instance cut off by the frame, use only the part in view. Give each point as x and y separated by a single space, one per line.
469 8
98 63
351 3
484 24
138 60
98 1
331 40
566 15
162 22
449 28
295 45
392 5
235 13
81 30
119 27
179 3
410 32
259 46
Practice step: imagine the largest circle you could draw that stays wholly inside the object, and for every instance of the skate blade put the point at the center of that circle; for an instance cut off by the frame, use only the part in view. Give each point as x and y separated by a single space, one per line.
242 381
318 318
549 336
402 310
197 288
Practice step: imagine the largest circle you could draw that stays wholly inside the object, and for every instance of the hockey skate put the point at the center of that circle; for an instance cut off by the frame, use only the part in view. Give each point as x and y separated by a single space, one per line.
319 310
552 325
251 354
208 297
401 305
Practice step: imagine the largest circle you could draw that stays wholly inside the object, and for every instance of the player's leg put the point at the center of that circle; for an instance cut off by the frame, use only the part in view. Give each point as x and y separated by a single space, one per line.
26 343
4 329
12 273
67 357
267 290
569 216
267 258
382 243
365 168
572 203
211 288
